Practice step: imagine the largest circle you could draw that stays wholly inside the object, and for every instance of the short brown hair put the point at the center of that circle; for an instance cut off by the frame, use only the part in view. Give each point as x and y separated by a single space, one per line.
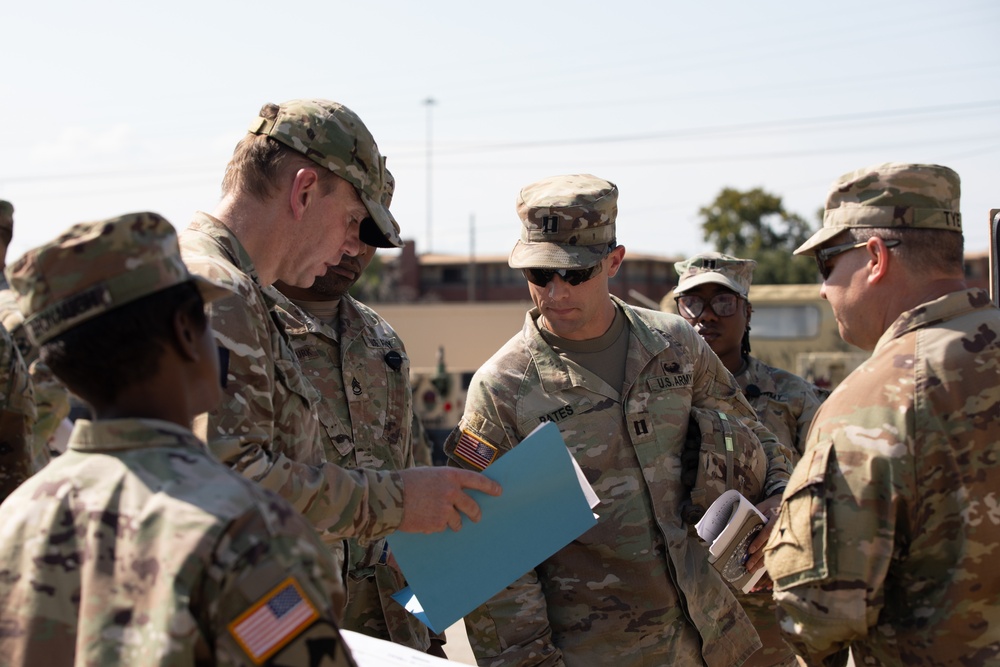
259 162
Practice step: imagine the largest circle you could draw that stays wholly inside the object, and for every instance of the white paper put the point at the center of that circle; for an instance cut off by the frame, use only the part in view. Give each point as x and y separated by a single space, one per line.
372 652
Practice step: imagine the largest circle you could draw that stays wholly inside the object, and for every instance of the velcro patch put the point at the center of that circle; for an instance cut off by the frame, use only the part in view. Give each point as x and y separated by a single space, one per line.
273 621
475 451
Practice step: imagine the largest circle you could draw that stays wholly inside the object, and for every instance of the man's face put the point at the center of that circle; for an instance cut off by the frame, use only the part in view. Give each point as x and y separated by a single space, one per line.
340 278
845 289
572 311
326 233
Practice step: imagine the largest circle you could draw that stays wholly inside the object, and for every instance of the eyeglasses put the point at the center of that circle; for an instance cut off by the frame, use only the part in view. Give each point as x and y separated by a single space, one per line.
692 305
826 254
543 277
574 277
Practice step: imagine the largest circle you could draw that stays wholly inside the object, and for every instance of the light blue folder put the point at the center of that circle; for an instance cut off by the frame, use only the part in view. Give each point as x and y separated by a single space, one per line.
541 510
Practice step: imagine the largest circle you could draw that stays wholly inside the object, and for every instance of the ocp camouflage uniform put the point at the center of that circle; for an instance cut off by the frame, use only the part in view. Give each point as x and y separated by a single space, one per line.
52 401
890 526
635 589
20 456
267 426
136 547
786 404
367 426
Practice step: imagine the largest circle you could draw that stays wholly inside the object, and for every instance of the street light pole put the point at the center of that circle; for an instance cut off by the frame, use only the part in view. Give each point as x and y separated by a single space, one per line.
429 103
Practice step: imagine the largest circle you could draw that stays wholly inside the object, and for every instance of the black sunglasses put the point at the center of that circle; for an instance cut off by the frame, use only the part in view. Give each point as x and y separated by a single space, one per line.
574 277
826 254
691 306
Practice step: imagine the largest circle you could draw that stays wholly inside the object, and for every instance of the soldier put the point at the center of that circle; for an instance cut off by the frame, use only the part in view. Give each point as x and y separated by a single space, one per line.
51 398
356 362
136 547
888 531
301 191
620 382
712 294
21 454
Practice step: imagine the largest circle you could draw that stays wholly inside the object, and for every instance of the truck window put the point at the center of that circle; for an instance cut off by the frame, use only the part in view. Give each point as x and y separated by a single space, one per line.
785 322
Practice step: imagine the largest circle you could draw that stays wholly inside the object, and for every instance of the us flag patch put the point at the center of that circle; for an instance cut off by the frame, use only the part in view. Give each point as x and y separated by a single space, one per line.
273 621
474 450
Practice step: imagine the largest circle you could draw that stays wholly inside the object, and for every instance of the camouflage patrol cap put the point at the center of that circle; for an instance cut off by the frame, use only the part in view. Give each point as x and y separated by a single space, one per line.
714 267
894 194
567 222
333 136
369 232
94 267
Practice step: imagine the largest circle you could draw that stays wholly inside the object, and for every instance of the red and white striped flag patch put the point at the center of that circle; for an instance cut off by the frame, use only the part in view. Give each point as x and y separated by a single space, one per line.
474 450
273 621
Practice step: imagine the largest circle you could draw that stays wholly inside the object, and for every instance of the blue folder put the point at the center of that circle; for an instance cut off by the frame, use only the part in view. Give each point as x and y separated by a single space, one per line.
542 509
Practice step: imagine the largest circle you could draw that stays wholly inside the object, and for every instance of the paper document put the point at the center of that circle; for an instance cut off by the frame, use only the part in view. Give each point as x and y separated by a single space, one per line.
372 652
729 526
546 503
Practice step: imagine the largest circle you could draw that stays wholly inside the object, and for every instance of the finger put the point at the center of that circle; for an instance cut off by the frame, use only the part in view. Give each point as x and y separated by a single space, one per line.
479 482
469 507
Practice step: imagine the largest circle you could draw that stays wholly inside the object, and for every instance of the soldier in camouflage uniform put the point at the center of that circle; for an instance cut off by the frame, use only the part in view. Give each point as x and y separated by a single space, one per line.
889 528
137 547
302 191
712 294
52 400
21 453
620 382
360 368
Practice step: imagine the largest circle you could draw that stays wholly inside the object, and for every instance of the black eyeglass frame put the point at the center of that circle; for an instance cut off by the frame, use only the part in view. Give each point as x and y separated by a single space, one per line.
824 255
707 302
542 277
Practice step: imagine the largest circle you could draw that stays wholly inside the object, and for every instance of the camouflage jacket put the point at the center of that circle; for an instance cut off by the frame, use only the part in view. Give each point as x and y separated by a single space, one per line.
21 454
136 547
52 400
366 426
888 533
267 427
784 402
635 589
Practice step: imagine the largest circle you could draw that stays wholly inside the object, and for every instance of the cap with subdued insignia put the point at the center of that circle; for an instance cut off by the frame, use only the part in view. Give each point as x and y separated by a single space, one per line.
94 267
333 136
894 194
714 267
567 222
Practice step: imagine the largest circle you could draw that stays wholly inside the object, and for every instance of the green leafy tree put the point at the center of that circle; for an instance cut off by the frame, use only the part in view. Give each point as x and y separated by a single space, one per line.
754 224
371 285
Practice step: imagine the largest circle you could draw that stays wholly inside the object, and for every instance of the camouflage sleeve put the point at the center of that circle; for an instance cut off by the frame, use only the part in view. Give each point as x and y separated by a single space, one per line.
717 389
832 547
273 595
277 445
512 628
812 398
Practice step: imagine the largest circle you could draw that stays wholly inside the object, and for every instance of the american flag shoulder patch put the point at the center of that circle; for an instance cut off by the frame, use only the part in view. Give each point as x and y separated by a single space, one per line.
273 621
474 450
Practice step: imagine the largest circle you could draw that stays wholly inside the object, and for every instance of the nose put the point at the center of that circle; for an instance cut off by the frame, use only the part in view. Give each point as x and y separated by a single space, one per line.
352 241
557 286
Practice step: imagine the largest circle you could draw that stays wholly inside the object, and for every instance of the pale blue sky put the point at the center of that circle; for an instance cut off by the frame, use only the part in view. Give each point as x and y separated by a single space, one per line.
111 107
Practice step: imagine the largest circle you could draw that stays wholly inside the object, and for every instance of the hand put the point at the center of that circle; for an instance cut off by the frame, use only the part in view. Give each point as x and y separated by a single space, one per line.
755 552
435 498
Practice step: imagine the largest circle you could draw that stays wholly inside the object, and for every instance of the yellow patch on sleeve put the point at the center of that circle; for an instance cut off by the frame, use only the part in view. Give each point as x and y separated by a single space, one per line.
273 621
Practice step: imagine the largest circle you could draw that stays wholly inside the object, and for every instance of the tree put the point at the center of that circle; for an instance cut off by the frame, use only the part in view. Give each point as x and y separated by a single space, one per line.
755 225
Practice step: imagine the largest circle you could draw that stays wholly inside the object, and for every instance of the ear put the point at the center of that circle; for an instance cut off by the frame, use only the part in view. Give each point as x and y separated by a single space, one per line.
305 188
186 336
616 258
878 260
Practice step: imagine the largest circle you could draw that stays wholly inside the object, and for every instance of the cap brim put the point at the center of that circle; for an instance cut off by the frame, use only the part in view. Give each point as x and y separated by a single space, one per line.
818 239
706 278
382 231
555 255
